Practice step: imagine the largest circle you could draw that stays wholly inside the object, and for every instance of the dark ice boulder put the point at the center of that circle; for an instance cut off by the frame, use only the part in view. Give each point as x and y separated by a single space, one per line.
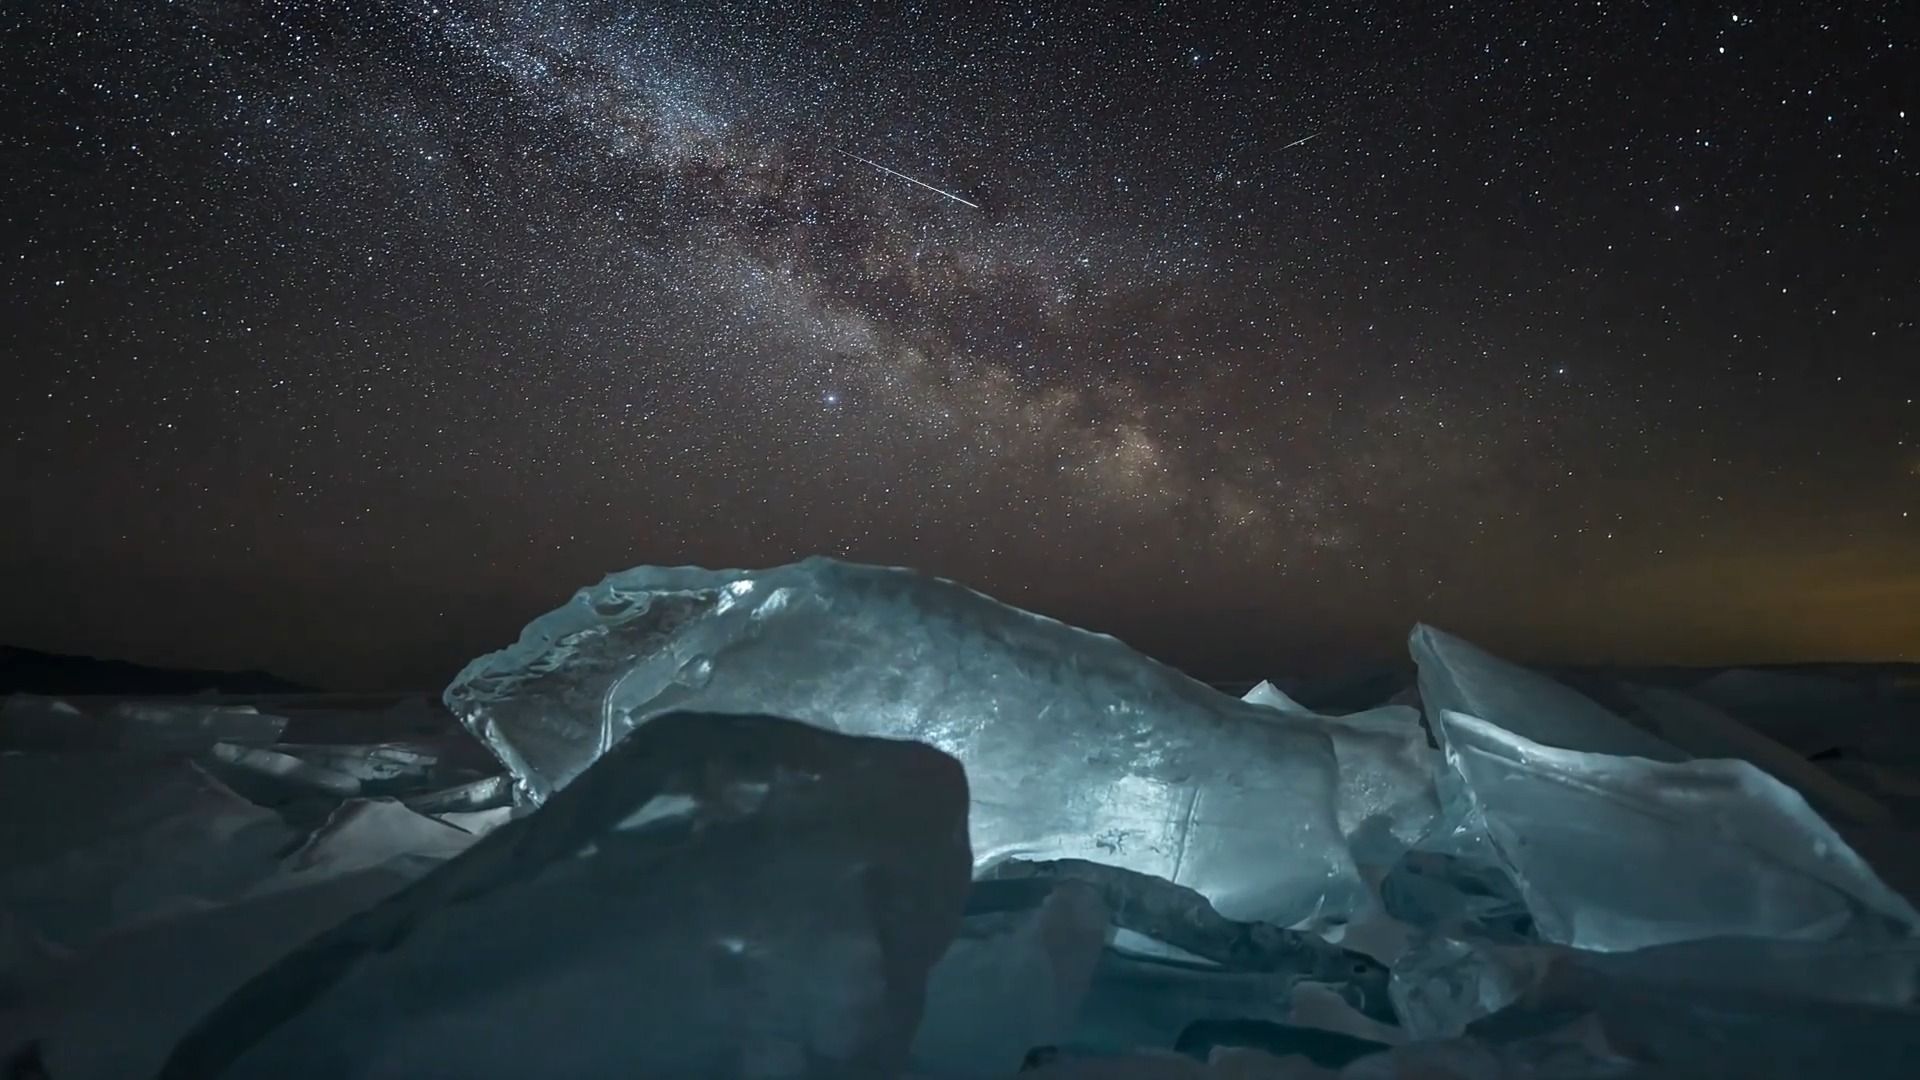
716 896
1075 745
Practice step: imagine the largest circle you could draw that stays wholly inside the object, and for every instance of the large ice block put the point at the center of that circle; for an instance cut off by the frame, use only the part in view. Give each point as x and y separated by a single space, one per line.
717 896
1614 853
1075 745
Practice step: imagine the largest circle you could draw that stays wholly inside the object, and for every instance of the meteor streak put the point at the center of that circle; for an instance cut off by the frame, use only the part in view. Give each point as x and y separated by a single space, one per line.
911 180
1298 141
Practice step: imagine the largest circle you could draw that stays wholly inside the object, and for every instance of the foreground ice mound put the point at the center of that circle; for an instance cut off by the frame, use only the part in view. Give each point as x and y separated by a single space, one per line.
91 842
1614 853
718 896
116 1009
1075 746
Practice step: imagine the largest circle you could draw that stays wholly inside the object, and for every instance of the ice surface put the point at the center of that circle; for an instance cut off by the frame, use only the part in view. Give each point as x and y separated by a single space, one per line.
31 722
1075 746
115 1011
1676 1026
1705 731
154 725
717 896
1011 981
90 841
1616 853
1457 676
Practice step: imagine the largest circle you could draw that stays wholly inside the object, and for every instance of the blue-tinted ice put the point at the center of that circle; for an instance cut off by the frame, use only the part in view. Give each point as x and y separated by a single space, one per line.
1075 745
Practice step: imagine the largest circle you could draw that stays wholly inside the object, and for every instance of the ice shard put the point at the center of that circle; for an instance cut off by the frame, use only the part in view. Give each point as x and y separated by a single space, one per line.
1162 912
1075 745
716 896
1613 853
1455 675
362 834
1705 731
296 774
1273 698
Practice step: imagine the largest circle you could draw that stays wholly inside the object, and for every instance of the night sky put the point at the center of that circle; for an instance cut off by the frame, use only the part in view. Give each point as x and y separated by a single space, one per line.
342 338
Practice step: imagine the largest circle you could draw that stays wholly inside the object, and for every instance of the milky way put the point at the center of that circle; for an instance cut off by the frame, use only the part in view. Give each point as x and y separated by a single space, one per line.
356 332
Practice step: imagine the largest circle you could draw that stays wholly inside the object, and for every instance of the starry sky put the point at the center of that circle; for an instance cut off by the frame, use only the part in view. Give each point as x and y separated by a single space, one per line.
341 338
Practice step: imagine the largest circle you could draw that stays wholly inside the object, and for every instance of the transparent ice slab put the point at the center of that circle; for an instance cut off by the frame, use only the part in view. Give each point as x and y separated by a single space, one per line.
1614 853
1075 745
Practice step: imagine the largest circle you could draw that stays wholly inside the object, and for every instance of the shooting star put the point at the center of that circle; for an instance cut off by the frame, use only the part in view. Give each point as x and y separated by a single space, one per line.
911 180
1298 141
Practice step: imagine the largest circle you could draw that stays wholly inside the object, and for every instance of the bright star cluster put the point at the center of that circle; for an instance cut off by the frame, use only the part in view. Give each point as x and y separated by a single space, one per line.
348 334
